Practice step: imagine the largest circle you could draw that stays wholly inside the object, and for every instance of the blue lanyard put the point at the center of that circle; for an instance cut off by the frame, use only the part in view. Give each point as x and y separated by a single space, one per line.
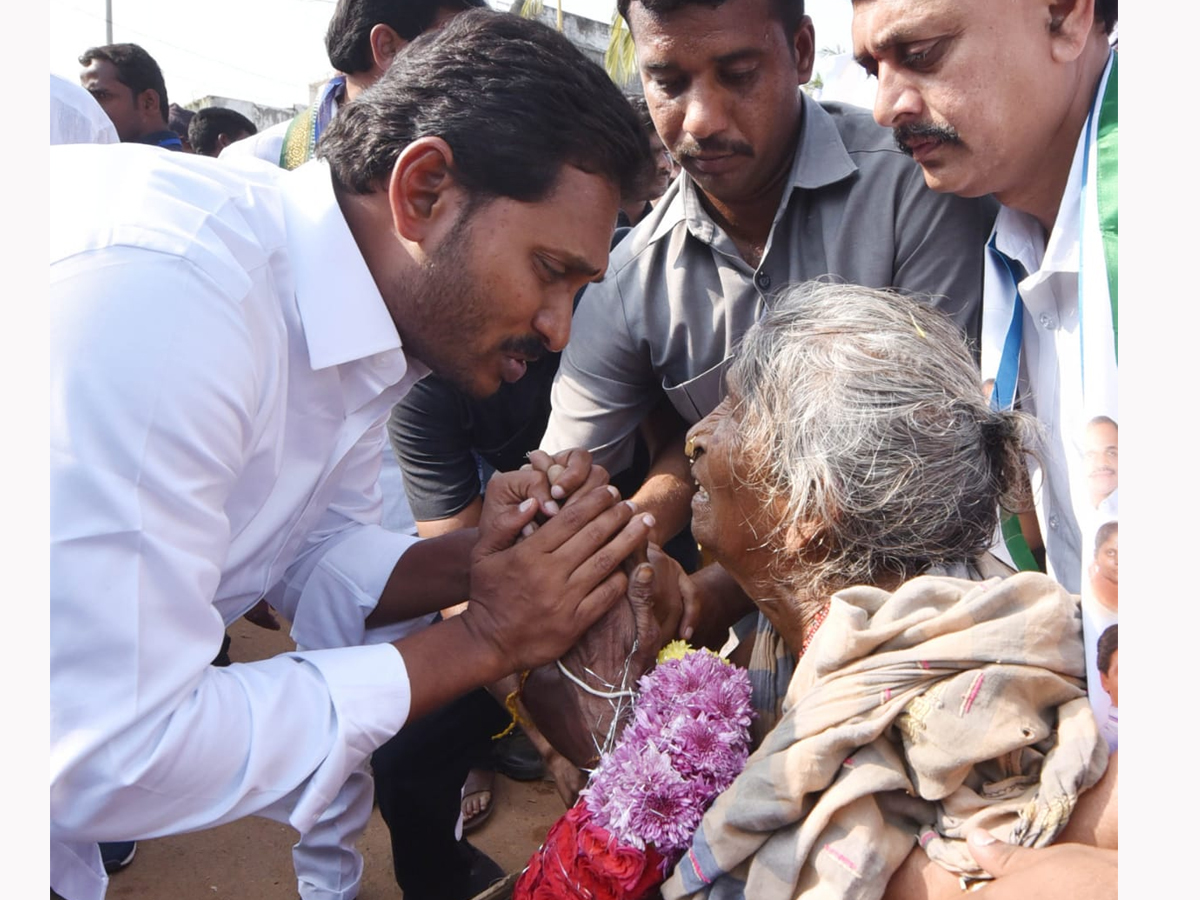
1004 391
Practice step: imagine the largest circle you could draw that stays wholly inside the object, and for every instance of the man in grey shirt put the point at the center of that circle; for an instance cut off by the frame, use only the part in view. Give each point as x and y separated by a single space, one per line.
776 188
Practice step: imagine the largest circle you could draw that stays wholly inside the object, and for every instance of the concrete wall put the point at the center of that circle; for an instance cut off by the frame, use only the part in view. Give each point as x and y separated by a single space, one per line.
590 36
261 116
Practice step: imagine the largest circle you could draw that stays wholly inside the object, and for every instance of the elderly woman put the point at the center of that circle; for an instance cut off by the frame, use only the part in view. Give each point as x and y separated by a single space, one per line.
850 484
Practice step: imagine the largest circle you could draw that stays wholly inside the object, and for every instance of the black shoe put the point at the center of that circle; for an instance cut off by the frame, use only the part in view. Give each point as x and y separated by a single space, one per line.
478 872
515 756
484 872
117 855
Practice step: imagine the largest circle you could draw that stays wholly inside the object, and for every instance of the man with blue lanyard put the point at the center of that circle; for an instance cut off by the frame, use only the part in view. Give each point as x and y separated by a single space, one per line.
362 38
1019 100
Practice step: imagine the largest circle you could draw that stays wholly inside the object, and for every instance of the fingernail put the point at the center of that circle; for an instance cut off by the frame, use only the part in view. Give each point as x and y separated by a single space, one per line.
612 490
550 508
557 491
688 632
644 573
648 520
528 530
527 504
632 506
981 837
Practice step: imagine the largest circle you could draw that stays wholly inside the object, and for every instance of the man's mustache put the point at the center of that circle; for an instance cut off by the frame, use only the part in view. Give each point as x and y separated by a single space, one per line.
529 347
923 131
711 147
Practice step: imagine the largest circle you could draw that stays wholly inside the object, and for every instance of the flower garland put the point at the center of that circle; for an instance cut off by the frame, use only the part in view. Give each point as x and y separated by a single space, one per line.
687 739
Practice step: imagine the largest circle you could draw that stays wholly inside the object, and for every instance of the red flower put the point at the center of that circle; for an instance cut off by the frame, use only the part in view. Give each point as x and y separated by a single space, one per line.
581 860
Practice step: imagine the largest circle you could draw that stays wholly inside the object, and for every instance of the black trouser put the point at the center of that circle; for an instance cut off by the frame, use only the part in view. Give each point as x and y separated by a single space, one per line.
419 775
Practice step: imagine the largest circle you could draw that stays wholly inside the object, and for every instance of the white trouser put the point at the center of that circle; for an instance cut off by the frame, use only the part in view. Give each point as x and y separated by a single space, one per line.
326 858
328 864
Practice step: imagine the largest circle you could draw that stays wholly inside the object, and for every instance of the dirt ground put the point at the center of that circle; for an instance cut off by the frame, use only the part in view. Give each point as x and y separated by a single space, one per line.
251 859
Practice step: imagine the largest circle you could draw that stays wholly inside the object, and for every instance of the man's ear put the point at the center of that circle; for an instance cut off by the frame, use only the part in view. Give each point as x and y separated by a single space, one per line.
804 43
385 44
423 193
1070 23
148 104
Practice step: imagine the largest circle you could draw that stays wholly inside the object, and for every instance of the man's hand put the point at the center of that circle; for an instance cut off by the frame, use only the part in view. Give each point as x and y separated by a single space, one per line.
532 601
1060 870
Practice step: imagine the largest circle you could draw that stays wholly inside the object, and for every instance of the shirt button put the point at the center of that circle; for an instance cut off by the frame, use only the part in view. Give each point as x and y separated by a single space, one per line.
1054 522
763 280
1047 321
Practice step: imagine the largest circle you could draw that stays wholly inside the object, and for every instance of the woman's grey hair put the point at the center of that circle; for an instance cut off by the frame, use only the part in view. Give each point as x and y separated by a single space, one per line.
862 411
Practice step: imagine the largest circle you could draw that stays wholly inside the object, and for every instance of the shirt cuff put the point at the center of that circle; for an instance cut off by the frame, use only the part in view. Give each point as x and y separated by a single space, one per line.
371 695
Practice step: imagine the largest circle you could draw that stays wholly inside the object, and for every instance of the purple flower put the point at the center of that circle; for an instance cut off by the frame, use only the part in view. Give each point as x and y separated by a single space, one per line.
687 739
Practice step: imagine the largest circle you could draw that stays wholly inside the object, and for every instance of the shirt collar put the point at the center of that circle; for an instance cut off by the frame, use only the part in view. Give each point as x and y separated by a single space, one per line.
344 315
821 159
164 138
1018 235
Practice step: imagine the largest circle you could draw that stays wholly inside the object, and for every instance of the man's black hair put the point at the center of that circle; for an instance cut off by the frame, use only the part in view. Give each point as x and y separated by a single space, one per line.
1106 11
514 100
1103 533
211 122
136 69
178 119
789 12
348 37
642 108
1105 648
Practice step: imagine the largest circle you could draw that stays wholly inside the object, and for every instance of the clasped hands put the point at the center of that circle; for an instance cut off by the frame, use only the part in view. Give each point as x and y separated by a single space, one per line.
604 599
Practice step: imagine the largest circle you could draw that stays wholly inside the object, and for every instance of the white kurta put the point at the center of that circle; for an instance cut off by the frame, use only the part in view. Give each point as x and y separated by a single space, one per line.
75 116
221 368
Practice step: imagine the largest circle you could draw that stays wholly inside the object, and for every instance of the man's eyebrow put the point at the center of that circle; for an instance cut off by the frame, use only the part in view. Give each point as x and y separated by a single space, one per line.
739 55
576 263
887 42
733 56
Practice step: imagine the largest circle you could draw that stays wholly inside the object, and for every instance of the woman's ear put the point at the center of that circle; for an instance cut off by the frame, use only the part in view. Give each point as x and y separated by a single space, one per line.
803 535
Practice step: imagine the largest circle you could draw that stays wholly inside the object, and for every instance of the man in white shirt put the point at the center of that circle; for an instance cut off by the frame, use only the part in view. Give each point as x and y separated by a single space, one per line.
1018 100
226 343
76 117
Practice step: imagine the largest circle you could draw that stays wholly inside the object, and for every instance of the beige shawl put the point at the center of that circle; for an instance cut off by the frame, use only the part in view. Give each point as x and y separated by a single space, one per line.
914 716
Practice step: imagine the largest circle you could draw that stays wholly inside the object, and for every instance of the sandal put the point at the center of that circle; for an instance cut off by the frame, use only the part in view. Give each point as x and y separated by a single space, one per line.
477 799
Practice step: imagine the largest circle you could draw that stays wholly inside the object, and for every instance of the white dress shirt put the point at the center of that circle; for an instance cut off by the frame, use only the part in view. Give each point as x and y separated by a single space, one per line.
266 144
76 117
222 364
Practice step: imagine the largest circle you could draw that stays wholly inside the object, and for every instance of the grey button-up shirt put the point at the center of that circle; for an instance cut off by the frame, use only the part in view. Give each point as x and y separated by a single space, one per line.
678 296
